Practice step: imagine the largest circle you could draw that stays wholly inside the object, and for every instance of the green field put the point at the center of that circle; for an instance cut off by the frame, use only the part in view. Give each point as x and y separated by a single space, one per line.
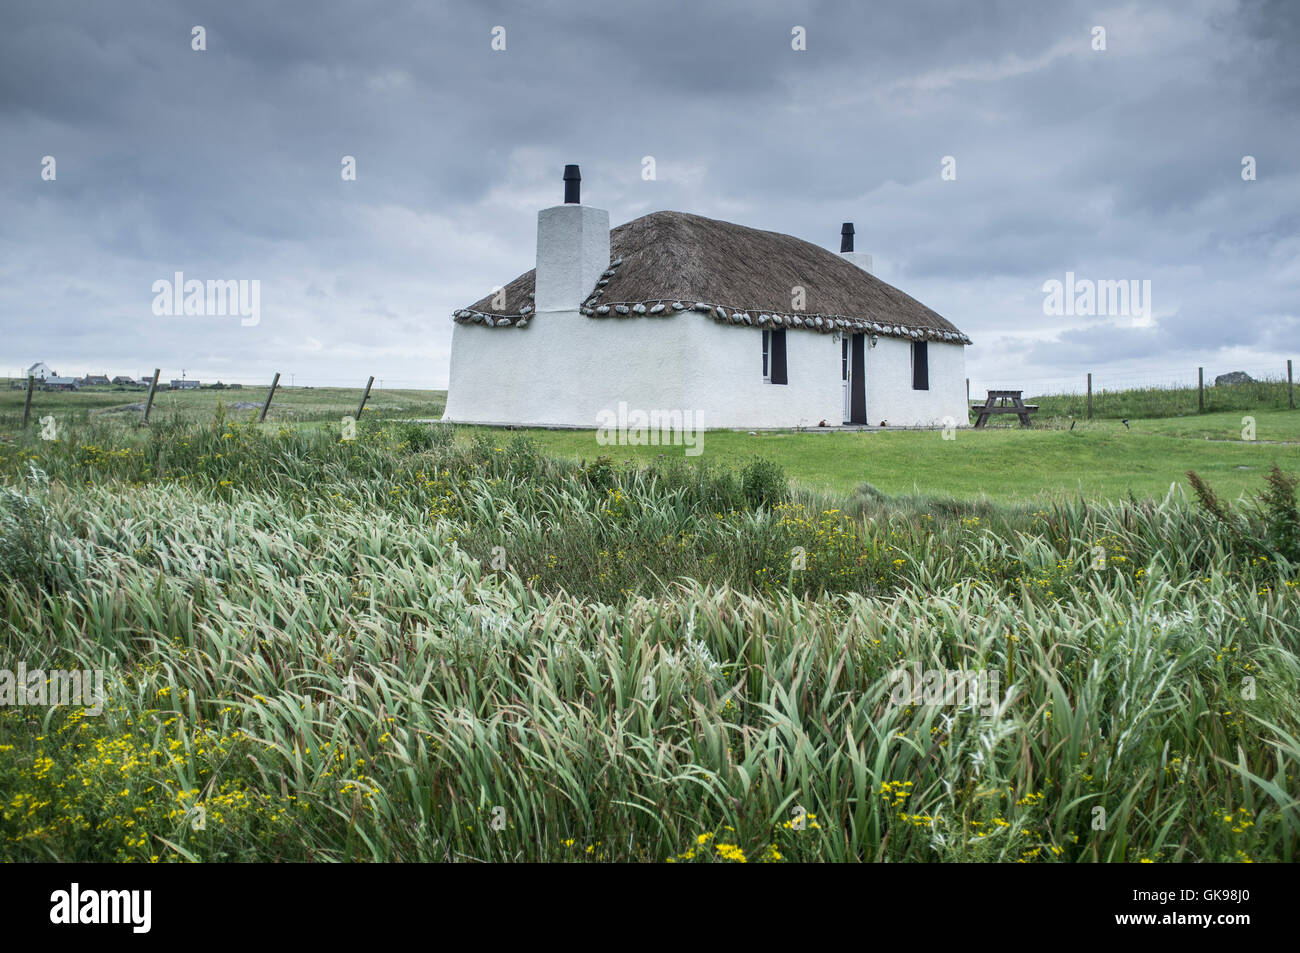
430 643
290 405
1100 459
1274 394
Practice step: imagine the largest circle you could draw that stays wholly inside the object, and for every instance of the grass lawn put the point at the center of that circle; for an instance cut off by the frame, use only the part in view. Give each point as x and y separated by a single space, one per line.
1270 425
1101 459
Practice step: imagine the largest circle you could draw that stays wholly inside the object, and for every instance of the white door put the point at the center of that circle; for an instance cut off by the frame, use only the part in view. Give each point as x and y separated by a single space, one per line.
845 376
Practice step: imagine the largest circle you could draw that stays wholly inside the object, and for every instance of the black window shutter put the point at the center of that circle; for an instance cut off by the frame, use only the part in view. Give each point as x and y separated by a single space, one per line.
858 378
920 365
778 357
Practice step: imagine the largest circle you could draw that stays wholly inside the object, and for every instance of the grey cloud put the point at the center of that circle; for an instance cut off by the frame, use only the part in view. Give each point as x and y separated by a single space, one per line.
1122 164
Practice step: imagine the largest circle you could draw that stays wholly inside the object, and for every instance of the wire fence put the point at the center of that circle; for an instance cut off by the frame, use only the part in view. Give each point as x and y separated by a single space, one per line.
1145 379
1164 392
18 379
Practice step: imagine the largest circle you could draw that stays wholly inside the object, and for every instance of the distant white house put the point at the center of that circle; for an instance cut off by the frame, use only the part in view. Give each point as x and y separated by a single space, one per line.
674 312
40 370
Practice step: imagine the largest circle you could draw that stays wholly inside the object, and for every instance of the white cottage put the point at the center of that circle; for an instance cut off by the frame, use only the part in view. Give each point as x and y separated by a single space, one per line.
674 312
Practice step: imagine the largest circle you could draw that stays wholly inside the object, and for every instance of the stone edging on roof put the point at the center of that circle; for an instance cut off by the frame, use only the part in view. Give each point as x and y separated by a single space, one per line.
744 317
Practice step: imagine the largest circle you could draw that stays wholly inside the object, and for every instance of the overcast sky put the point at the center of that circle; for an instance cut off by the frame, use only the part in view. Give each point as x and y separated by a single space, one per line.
1117 164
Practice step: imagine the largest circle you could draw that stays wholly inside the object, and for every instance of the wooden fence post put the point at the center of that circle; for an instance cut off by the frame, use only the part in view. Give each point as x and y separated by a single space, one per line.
269 394
1200 390
153 389
1290 385
1090 395
364 397
27 404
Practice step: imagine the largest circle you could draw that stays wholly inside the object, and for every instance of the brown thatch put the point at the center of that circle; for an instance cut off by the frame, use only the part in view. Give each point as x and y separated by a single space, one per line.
734 274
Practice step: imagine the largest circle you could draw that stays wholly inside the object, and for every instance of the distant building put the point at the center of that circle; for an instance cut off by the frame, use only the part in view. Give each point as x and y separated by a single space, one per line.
185 385
60 383
125 381
40 370
146 381
91 379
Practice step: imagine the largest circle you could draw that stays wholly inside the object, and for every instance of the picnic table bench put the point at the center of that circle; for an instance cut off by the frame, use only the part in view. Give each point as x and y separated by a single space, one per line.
1003 402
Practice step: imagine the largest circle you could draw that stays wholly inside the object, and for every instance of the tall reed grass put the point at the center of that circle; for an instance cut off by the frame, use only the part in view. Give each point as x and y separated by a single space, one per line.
416 647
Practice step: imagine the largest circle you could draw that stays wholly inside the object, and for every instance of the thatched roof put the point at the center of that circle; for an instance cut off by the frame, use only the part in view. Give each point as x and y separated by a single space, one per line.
667 262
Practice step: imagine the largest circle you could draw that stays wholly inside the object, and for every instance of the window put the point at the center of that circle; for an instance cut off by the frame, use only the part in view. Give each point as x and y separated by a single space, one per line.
920 365
774 357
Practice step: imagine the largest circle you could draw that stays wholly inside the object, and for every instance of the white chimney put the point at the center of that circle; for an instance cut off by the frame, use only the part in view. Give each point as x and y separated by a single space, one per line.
861 259
572 249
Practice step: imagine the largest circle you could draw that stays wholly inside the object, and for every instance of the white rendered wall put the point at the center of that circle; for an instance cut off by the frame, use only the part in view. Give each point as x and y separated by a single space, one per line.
890 396
724 377
564 368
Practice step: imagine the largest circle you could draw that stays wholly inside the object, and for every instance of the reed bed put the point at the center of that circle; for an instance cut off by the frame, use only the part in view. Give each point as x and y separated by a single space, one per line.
414 646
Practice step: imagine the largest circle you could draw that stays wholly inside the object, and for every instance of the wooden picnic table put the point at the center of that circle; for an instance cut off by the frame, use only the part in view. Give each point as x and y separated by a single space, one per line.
1004 402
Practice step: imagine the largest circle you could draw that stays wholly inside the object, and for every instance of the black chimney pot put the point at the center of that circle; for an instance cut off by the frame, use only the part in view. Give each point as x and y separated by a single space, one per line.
846 237
572 185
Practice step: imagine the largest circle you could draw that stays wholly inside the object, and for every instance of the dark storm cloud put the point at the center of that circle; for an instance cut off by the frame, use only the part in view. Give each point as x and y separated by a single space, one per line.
1123 164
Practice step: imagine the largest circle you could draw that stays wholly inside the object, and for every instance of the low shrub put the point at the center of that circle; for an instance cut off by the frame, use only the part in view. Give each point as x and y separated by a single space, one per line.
1269 526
